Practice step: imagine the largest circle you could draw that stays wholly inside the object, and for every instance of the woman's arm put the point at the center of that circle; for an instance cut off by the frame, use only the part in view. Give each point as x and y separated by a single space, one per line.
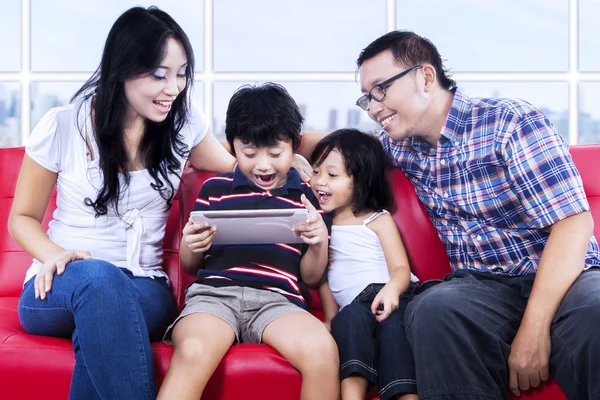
309 142
307 145
32 194
210 155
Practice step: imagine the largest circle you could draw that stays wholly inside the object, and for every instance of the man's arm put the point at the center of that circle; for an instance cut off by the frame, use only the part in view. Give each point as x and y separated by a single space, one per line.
551 194
561 263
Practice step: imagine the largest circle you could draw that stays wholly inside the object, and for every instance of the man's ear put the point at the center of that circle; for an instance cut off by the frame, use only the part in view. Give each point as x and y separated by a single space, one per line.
430 76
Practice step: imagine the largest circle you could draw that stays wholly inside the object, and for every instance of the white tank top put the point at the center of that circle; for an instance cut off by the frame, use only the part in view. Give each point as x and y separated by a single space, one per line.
356 259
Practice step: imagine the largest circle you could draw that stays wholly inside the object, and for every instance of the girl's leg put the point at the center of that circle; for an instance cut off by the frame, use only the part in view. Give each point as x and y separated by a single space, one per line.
354 387
98 305
353 329
200 341
305 342
396 363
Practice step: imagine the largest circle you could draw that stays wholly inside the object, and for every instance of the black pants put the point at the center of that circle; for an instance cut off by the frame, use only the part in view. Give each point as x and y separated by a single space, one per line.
375 350
461 331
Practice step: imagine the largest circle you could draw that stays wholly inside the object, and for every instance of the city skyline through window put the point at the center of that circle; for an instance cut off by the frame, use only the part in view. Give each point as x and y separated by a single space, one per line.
539 51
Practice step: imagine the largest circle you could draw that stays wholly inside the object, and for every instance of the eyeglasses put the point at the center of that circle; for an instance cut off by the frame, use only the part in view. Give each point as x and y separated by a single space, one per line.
377 92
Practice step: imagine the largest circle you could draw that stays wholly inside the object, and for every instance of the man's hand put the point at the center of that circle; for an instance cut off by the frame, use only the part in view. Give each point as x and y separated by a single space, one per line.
302 166
528 359
314 230
386 302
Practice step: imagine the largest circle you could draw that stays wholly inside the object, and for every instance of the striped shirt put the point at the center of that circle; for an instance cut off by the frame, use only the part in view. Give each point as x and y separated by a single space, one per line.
273 267
500 176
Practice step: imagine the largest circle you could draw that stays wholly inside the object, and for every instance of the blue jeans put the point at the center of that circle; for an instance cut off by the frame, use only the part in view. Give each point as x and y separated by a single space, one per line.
378 351
461 331
111 316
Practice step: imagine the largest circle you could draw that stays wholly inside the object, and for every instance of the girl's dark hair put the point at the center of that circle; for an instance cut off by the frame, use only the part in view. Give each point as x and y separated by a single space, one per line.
135 46
263 115
409 49
365 161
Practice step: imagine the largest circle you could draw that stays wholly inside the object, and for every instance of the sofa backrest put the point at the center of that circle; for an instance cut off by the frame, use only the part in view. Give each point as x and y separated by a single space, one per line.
425 250
14 262
587 160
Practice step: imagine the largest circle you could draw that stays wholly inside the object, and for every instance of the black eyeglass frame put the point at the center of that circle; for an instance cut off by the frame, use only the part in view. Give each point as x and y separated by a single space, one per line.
364 100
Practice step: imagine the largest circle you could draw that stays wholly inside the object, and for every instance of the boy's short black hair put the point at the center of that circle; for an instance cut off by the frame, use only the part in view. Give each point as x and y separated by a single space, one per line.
365 161
263 115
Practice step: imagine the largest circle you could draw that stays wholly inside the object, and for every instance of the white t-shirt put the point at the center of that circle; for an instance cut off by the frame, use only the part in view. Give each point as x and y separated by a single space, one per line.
356 260
134 241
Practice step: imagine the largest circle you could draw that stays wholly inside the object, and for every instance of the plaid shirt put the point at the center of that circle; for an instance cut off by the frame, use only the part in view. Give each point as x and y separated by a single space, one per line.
500 176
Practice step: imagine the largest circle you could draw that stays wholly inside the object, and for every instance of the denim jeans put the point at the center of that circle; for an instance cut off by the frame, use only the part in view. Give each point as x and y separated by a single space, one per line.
461 331
111 316
378 351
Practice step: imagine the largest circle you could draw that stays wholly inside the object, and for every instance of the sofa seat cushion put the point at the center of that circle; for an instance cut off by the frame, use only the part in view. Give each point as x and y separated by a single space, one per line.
247 368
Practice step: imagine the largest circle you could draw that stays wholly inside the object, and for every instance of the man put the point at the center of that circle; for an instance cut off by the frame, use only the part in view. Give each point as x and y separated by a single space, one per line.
503 193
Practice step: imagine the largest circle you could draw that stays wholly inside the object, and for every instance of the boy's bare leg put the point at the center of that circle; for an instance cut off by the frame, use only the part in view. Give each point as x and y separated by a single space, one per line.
354 387
200 341
305 342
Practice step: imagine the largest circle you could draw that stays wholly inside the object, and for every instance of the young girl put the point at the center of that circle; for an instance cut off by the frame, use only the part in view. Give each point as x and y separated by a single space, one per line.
369 280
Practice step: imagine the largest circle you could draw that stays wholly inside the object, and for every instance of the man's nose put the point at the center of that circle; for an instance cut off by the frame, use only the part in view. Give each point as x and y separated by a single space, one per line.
375 107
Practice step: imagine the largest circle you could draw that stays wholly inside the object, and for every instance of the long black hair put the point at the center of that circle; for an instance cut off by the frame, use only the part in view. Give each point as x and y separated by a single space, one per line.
365 162
135 46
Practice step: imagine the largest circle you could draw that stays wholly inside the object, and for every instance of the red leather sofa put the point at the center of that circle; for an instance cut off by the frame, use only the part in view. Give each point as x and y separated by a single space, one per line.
35 367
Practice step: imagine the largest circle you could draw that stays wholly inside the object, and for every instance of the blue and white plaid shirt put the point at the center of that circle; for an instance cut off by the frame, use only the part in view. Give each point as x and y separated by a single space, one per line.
500 176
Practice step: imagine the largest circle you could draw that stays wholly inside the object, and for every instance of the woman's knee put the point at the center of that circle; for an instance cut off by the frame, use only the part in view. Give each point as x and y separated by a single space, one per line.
99 274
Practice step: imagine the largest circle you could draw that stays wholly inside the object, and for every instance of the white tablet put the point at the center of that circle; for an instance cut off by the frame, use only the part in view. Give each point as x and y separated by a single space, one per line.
253 226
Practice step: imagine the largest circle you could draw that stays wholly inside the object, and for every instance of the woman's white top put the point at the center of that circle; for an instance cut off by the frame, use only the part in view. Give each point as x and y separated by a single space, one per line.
133 241
356 260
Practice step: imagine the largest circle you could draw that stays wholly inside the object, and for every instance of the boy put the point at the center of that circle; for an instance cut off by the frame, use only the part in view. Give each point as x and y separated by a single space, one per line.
251 293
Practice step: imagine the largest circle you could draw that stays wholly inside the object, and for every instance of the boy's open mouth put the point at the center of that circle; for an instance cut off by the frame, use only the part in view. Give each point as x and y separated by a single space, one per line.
265 180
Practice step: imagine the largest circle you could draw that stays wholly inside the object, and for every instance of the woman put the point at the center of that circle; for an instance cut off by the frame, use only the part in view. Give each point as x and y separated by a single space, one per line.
116 155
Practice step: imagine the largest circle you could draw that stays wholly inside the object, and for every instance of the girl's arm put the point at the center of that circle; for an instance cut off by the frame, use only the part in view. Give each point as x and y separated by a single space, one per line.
314 233
330 307
397 263
210 155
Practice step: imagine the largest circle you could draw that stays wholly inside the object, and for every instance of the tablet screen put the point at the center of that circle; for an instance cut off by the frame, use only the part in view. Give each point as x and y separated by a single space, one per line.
253 226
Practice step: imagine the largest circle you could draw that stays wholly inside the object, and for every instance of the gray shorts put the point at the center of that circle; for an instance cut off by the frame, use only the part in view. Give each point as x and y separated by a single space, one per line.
246 310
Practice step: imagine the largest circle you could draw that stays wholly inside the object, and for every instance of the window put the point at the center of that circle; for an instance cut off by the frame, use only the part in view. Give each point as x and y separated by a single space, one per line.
543 51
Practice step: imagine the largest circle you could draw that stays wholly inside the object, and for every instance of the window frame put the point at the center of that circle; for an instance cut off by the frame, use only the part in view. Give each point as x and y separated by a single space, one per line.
573 76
